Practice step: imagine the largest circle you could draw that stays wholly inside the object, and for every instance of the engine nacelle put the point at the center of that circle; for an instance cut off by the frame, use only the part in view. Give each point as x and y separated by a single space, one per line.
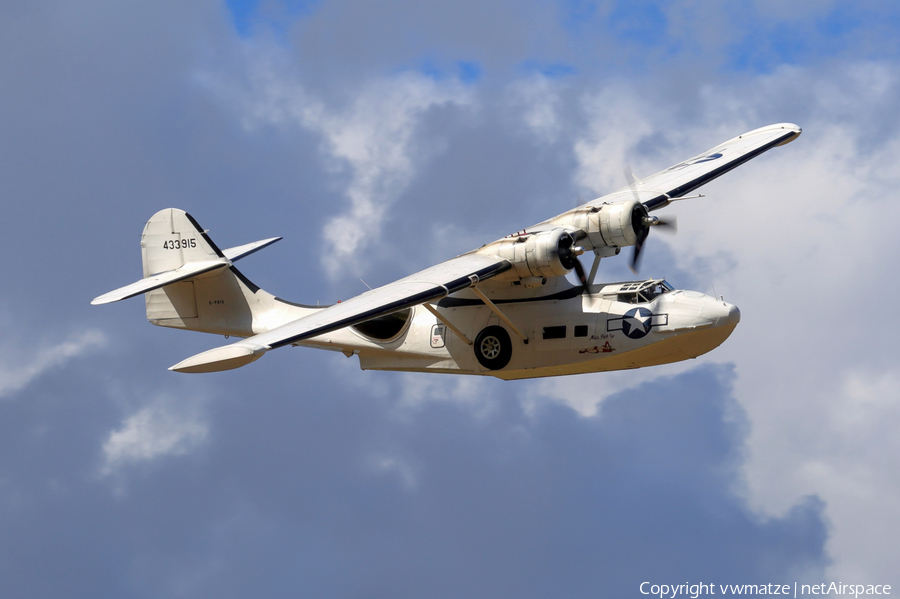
545 254
619 223
613 225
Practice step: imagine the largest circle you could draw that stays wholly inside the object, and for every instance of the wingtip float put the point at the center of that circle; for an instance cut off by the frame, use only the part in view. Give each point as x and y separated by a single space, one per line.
218 359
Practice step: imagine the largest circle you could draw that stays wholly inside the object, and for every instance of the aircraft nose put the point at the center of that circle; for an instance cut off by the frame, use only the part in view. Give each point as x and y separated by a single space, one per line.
726 314
734 314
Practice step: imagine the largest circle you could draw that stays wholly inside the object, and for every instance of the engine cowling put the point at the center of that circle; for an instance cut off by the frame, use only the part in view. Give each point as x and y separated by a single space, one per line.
546 254
619 224
613 225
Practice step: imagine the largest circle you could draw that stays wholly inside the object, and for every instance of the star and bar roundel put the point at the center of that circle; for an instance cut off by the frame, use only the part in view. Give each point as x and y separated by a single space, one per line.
637 322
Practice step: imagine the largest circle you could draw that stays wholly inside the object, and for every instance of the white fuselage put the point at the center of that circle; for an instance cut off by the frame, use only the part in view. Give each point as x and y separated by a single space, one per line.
569 332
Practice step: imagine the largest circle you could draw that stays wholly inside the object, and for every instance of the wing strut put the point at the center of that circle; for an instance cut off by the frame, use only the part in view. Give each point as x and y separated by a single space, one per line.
499 313
440 317
594 266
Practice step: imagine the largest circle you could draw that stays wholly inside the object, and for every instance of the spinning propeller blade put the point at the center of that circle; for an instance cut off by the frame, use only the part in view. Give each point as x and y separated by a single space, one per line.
579 270
568 255
667 225
638 246
641 221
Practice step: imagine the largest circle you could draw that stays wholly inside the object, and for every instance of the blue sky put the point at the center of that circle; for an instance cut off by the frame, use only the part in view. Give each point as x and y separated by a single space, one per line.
379 139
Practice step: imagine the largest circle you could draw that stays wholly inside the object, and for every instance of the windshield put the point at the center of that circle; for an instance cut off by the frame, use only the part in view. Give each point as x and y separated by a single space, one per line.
655 289
643 291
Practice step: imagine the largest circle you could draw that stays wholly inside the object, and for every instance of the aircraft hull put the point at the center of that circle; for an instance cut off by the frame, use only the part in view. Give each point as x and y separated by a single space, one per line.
580 334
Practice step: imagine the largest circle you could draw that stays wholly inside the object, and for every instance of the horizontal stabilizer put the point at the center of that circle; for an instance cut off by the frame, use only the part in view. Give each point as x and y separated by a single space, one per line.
191 269
236 253
221 358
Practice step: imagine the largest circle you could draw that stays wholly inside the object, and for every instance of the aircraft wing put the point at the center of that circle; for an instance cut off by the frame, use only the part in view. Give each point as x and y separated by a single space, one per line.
427 285
685 177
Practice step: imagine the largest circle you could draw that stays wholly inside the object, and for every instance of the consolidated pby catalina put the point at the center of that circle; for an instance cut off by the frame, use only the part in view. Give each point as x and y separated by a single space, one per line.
505 309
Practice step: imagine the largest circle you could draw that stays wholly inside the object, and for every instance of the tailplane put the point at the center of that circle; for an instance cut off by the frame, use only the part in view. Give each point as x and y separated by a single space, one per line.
189 283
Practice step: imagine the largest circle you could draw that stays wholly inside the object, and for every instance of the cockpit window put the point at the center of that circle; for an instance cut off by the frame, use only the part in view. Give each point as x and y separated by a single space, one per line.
641 292
656 288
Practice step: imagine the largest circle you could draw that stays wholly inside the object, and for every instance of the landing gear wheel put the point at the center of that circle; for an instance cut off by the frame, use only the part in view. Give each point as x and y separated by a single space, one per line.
493 348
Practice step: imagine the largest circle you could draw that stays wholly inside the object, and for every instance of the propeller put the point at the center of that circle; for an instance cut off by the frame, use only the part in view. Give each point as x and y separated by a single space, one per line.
641 221
638 246
579 270
568 256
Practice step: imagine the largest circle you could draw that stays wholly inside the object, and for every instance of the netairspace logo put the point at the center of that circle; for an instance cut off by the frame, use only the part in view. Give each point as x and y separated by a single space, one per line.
795 590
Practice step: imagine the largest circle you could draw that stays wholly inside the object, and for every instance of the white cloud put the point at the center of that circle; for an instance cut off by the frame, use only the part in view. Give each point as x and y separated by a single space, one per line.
417 390
801 239
538 100
374 138
586 393
394 465
618 119
169 426
23 363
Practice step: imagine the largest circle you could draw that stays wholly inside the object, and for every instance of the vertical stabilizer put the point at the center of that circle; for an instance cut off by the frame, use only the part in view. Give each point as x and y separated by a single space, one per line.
222 301
189 283
171 239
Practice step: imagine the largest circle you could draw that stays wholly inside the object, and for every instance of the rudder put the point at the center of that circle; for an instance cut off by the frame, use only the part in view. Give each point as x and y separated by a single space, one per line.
171 239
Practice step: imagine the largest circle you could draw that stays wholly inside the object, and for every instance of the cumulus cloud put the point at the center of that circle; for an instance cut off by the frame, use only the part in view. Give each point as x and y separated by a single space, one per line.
388 464
585 394
537 102
376 139
651 458
408 394
784 237
525 502
789 237
23 363
373 139
617 120
169 426
473 391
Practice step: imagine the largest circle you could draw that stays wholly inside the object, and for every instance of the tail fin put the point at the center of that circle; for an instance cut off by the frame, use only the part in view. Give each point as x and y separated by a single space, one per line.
189 283
219 302
171 239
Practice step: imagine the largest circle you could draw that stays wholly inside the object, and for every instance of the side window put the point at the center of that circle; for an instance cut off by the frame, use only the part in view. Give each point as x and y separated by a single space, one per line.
581 330
555 332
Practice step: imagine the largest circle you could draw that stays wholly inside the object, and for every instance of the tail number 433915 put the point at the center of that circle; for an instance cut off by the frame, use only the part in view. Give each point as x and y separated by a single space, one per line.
179 244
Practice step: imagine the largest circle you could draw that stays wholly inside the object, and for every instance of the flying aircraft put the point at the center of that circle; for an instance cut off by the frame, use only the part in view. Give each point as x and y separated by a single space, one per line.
505 309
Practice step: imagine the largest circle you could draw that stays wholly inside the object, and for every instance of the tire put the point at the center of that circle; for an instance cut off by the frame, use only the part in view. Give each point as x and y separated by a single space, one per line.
493 348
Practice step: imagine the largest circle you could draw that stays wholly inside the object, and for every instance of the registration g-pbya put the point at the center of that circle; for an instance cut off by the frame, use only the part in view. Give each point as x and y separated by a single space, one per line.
505 309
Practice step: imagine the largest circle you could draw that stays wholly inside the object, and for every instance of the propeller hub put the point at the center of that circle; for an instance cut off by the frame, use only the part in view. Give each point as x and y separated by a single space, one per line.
568 251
